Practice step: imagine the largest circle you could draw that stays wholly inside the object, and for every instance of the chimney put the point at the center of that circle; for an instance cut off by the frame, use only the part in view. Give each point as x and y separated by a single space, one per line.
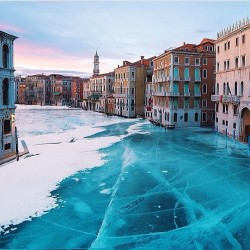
184 43
118 65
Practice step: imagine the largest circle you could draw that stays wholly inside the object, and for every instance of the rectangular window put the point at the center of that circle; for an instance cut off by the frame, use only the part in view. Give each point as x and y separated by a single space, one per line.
225 65
175 117
237 41
7 146
223 122
225 46
197 61
218 67
243 61
234 125
235 109
204 73
218 49
204 103
226 123
204 116
176 60
243 39
204 61
7 127
236 62
185 117
228 44
228 64
186 60
196 117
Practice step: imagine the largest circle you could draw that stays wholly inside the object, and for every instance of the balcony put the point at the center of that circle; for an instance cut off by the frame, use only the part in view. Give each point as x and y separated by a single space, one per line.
186 94
215 98
176 78
197 94
187 79
230 99
197 79
165 93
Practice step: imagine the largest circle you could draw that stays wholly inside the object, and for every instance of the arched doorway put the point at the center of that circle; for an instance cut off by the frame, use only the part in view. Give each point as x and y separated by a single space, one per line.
5 89
245 116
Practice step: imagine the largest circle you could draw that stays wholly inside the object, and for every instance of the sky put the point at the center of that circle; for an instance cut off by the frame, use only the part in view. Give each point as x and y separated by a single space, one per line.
63 36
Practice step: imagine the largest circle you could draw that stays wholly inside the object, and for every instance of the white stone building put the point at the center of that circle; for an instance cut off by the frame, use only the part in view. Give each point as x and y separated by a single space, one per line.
232 90
8 138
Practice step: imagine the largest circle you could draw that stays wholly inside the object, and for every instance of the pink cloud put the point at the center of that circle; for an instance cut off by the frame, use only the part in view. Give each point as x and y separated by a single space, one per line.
29 48
11 28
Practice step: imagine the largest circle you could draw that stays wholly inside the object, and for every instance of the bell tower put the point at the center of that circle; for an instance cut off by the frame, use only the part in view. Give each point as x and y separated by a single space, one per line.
96 70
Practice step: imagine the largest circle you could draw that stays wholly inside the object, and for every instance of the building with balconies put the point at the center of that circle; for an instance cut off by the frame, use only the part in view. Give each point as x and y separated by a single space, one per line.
101 87
9 146
130 83
177 85
232 89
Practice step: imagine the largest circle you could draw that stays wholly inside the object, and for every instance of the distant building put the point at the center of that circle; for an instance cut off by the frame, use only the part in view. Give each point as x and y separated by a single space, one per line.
101 86
130 83
76 91
19 80
232 90
8 138
183 83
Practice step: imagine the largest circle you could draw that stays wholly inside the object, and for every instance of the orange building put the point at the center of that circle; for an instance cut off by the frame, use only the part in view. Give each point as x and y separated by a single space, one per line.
183 82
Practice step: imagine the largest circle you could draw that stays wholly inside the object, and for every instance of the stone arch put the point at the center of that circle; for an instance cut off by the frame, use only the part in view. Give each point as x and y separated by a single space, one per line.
245 124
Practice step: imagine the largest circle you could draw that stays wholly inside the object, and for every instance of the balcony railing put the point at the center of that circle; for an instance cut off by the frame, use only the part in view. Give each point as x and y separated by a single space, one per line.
231 99
215 98
163 93
186 93
226 98
187 78
197 94
197 79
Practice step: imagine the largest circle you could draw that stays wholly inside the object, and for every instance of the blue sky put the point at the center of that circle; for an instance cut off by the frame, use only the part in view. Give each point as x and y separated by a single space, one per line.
63 36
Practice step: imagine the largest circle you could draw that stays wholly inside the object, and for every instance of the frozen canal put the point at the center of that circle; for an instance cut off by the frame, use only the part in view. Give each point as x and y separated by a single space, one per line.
95 182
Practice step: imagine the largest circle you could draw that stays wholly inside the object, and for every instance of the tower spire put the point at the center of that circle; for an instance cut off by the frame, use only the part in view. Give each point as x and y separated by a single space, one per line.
96 70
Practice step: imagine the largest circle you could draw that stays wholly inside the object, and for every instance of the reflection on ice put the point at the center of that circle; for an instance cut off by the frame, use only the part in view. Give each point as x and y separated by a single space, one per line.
155 189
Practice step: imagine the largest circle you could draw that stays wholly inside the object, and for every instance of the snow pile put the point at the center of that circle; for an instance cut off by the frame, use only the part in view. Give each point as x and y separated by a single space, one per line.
26 185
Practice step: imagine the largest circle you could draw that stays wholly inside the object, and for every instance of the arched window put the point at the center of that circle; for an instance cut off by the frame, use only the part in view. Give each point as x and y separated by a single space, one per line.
5 54
235 88
217 89
241 88
186 72
176 72
5 91
197 74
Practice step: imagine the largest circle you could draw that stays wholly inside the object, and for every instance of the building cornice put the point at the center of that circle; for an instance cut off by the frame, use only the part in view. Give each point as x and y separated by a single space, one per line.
233 29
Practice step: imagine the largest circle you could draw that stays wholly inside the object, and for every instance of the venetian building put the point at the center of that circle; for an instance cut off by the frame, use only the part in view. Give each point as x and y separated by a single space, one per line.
8 147
183 78
232 89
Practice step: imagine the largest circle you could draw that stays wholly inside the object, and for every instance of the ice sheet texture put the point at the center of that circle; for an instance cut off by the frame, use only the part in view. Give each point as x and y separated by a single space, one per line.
153 188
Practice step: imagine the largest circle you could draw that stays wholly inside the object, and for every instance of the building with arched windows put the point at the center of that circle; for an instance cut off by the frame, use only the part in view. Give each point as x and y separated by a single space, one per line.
183 81
8 139
232 88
